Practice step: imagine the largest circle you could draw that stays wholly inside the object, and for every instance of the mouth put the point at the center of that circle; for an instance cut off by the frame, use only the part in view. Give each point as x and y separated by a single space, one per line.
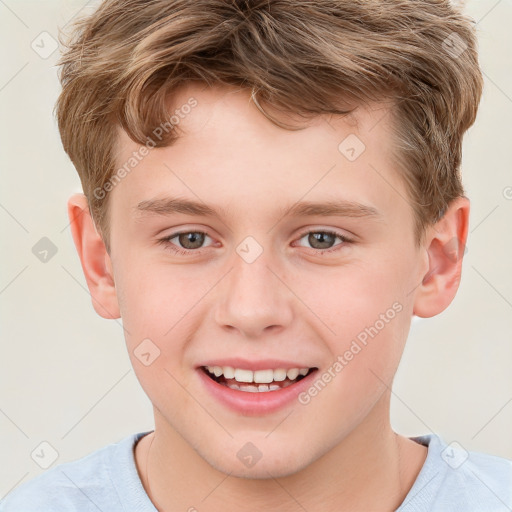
270 386
258 381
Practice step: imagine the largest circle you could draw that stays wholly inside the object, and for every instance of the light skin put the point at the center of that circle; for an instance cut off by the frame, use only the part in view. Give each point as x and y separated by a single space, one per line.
339 451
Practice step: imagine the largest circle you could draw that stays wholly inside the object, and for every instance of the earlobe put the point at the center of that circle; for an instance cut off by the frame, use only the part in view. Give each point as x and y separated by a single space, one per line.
445 246
94 258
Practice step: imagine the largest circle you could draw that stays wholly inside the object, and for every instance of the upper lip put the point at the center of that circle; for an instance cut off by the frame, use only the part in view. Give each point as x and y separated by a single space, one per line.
262 364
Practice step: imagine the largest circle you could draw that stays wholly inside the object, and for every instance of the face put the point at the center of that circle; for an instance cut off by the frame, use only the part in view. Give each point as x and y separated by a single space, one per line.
299 255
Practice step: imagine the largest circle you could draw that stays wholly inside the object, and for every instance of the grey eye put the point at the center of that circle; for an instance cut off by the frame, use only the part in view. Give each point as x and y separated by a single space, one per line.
190 240
321 240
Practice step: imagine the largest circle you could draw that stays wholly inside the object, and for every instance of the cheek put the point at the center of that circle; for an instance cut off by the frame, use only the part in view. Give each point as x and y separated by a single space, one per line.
161 308
355 297
372 342
364 361
368 312
154 298
157 311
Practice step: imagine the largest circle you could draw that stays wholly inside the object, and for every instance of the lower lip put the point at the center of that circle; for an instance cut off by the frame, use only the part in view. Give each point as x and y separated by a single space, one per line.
257 403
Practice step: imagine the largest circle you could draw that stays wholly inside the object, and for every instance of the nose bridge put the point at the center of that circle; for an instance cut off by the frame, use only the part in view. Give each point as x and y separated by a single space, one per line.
252 296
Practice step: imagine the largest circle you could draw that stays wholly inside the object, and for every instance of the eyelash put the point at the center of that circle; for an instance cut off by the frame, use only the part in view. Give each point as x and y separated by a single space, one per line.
166 241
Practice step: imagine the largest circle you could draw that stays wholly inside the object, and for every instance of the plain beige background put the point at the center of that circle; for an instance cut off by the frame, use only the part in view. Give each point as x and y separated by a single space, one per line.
66 378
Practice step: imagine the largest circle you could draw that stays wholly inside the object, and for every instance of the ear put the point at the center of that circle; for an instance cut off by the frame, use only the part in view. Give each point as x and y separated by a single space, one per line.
445 245
93 255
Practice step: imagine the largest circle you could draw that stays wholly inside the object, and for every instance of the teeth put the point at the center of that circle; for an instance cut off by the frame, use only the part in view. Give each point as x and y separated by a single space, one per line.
261 388
279 375
229 373
251 389
243 375
293 373
258 376
263 376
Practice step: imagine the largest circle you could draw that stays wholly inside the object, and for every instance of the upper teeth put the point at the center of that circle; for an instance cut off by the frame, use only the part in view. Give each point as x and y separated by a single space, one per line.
258 376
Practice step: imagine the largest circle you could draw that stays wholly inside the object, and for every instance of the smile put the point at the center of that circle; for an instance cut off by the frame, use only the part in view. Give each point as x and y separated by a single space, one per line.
254 387
258 381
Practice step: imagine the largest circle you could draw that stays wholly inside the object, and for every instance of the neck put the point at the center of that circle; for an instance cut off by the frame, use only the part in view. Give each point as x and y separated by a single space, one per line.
370 469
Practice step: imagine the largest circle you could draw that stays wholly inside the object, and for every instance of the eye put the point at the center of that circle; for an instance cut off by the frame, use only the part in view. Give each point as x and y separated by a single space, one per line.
323 240
189 240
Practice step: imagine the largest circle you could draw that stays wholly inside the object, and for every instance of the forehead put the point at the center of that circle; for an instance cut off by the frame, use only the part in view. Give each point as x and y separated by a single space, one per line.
215 106
228 153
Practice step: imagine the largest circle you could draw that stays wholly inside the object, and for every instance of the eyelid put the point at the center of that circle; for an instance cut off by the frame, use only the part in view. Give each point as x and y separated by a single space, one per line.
332 231
345 240
166 240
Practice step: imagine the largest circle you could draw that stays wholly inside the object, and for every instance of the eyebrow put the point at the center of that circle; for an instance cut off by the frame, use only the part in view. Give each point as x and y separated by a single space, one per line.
340 208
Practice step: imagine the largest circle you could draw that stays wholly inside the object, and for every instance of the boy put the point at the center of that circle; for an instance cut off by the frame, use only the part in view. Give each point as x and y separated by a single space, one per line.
272 191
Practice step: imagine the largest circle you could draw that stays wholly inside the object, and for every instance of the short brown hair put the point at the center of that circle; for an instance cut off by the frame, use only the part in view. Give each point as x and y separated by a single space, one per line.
123 62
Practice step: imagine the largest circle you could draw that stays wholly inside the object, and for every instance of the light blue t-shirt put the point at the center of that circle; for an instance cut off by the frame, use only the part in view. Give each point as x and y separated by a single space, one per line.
451 480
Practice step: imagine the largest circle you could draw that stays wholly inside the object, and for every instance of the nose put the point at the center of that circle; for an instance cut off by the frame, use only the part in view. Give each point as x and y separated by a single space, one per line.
253 298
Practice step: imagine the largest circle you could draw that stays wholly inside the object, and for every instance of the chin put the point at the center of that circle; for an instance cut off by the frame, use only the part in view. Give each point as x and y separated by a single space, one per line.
275 465
260 471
